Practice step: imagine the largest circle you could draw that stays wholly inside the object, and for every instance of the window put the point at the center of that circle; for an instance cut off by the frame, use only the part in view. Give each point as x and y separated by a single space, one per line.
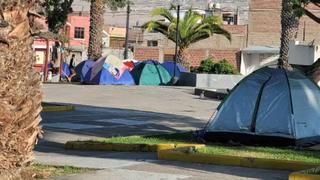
152 43
230 18
79 32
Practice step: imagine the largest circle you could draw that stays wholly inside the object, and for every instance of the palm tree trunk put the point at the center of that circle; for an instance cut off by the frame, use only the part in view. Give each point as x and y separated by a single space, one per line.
183 58
289 30
96 28
20 95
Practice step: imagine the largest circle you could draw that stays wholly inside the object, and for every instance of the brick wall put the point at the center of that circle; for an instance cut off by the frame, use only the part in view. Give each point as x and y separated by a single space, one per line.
195 56
117 43
231 55
265 27
265 4
236 29
143 54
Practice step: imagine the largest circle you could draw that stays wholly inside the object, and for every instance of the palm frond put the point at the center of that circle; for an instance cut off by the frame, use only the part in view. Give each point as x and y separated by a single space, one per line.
164 13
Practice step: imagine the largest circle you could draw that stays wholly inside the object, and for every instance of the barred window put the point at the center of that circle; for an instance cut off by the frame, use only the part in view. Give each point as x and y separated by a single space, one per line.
79 32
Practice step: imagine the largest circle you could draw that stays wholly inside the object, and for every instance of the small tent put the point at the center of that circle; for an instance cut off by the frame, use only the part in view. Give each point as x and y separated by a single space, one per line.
169 66
269 107
105 77
102 73
150 73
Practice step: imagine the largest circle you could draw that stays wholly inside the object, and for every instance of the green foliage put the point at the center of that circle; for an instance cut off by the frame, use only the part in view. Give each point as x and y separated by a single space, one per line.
193 27
57 12
299 8
211 67
115 4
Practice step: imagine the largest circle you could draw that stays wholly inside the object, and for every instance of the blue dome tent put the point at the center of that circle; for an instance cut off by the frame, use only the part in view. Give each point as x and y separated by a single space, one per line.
150 73
269 107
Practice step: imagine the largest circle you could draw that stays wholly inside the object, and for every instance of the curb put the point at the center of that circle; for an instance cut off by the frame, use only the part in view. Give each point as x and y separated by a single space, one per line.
94 146
57 108
301 176
234 161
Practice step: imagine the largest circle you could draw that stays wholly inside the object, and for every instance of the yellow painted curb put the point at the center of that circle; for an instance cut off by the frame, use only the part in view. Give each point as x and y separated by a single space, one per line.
302 176
96 146
57 108
234 161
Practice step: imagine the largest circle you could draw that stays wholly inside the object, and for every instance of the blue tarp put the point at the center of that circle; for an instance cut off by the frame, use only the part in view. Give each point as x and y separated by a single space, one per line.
85 71
104 77
169 66
65 71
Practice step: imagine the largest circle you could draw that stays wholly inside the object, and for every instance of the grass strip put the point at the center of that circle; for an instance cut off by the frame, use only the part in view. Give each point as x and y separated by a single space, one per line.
289 154
39 171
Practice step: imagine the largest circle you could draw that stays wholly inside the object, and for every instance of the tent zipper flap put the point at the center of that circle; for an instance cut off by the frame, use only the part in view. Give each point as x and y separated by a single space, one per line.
256 109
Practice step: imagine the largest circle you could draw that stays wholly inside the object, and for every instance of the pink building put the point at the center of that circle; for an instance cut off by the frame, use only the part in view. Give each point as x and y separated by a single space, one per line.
77 31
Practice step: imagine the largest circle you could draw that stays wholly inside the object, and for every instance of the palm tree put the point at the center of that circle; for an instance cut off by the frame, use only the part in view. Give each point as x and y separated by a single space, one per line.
20 94
193 27
97 22
289 30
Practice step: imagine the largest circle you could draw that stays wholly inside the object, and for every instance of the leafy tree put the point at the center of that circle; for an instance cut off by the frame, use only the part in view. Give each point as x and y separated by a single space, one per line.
193 27
299 7
20 102
57 12
97 22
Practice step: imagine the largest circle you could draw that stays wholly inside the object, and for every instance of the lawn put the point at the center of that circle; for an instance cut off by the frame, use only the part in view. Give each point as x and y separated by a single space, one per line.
38 171
218 149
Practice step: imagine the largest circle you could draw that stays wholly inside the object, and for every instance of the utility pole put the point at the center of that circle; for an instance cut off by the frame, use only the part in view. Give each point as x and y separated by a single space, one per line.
126 50
176 58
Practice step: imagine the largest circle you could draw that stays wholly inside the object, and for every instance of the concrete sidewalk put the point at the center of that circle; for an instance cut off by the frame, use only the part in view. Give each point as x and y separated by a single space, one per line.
106 111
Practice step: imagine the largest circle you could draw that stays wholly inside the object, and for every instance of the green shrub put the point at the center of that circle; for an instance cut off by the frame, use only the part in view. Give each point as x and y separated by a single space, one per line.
211 67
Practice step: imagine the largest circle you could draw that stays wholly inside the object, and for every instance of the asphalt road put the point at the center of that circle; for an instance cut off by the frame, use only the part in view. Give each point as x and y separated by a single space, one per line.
106 111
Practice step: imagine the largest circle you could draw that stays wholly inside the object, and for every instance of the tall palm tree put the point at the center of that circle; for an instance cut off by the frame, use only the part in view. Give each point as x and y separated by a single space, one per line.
20 94
97 22
193 27
289 30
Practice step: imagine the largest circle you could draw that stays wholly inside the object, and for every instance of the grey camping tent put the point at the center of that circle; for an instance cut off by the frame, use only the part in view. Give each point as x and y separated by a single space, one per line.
270 107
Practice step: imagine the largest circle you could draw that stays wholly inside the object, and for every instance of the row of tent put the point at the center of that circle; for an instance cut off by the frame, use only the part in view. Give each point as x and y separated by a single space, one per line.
112 71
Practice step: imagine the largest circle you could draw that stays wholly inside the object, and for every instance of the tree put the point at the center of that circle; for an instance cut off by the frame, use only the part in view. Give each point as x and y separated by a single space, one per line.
300 9
97 22
56 12
289 30
193 27
20 94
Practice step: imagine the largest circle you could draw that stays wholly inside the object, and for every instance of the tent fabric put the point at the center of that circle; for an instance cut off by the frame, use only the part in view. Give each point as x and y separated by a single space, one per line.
169 66
150 73
85 72
101 73
65 71
269 106
104 77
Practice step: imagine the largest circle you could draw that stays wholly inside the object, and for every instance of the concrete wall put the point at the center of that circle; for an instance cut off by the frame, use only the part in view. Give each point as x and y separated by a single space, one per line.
211 81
